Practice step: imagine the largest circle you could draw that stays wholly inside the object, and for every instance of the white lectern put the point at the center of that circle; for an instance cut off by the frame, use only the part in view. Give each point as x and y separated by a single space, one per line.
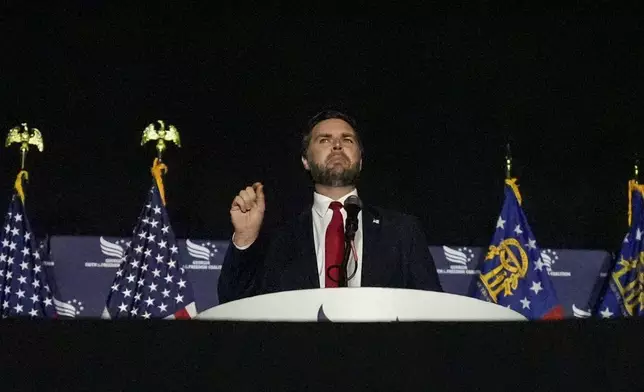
366 304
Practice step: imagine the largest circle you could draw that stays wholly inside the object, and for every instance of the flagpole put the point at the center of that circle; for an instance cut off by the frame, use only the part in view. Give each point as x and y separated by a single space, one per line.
636 168
508 161
21 134
162 135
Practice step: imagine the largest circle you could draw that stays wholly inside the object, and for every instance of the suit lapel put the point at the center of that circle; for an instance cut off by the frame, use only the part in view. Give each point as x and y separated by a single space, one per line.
371 227
307 262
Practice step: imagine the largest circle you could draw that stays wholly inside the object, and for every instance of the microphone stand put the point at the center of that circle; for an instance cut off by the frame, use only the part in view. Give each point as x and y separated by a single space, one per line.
344 273
349 235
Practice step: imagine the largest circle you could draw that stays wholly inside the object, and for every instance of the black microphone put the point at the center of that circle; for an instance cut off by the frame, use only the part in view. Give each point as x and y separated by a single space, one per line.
352 206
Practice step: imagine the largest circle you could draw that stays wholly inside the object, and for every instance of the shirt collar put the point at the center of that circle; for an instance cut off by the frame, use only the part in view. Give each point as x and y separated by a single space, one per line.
321 202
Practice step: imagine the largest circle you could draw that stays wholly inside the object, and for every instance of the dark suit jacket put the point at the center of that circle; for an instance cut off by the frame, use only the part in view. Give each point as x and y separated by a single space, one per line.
395 254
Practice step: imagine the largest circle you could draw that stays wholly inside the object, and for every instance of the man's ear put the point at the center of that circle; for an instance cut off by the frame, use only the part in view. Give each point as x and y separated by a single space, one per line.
305 162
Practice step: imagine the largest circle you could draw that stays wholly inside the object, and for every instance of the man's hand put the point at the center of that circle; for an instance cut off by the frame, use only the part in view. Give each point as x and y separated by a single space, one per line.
247 214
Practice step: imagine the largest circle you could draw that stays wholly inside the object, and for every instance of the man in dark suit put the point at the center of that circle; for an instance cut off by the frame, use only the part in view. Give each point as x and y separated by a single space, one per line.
389 248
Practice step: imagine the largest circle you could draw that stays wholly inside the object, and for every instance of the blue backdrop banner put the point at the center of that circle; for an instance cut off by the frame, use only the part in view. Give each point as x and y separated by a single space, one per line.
82 270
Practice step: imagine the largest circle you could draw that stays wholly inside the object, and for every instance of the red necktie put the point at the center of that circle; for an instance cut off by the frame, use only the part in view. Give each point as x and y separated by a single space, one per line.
334 246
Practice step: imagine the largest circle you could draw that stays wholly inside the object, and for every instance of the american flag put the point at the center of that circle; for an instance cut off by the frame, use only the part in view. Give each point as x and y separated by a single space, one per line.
150 282
24 288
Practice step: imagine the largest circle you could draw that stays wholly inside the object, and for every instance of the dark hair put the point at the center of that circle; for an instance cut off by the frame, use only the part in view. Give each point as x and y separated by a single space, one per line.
328 115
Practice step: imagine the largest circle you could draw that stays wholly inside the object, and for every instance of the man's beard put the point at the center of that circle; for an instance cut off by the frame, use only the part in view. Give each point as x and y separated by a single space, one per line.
330 176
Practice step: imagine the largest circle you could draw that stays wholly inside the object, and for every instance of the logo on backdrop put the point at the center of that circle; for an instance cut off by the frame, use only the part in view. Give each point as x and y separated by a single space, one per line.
548 259
459 261
69 309
201 255
114 253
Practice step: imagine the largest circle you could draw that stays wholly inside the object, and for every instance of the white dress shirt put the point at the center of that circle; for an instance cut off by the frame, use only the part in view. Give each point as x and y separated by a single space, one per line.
321 218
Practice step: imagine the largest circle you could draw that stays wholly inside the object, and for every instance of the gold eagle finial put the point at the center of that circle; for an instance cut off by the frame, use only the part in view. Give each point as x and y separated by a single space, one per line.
21 134
161 136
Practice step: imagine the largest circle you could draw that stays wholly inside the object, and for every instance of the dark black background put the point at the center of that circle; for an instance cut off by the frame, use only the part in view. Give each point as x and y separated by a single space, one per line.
437 93
201 355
